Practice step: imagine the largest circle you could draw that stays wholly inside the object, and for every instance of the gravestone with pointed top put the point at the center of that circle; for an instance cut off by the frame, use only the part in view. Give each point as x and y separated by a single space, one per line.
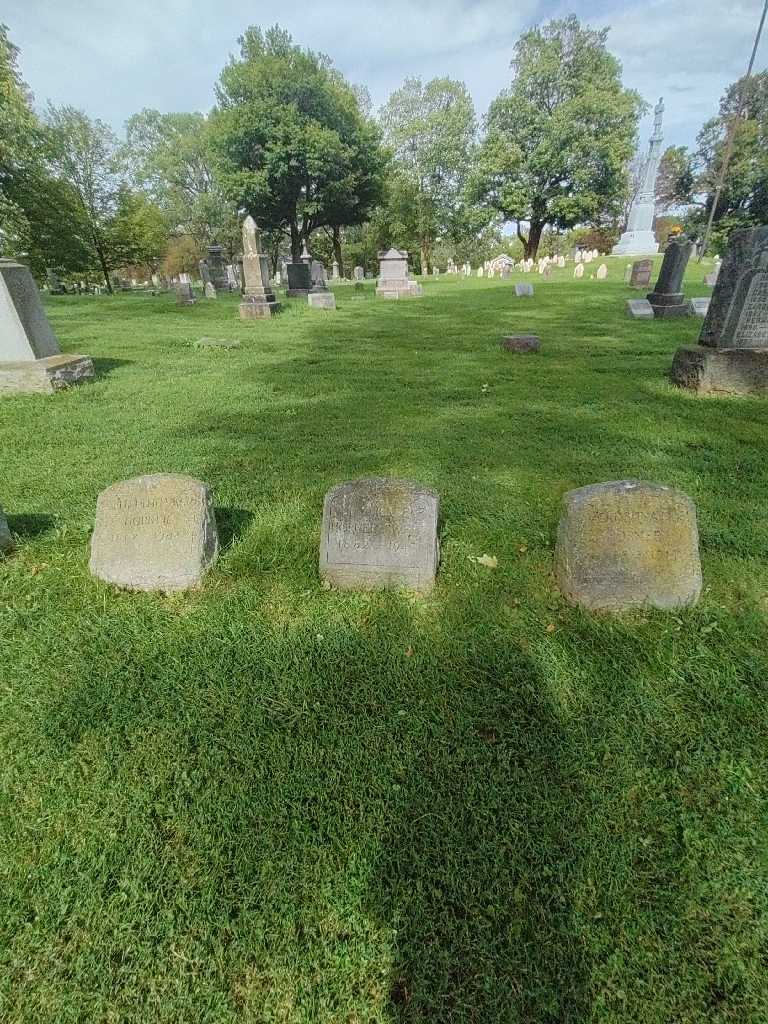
30 358
259 302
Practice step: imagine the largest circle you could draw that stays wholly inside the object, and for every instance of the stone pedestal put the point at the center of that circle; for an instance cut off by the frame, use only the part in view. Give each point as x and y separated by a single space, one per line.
666 306
727 371
394 282
322 299
30 358
254 308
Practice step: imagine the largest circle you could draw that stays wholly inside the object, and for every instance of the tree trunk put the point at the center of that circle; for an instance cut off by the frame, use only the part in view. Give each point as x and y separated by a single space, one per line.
295 242
337 249
531 243
426 255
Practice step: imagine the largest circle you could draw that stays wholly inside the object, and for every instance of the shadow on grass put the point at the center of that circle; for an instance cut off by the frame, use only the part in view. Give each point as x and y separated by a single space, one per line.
231 524
31 525
103 367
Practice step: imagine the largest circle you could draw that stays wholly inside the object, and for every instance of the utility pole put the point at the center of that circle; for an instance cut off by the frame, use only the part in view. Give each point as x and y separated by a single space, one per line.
731 135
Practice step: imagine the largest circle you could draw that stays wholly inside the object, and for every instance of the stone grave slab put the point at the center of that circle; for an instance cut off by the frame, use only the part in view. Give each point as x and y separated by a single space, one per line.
154 532
699 307
725 371
524 290
322 300
639 309
626 544
521 343
380 533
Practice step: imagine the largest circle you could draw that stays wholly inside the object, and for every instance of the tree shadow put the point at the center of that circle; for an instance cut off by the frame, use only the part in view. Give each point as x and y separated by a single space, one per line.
231 524
103 367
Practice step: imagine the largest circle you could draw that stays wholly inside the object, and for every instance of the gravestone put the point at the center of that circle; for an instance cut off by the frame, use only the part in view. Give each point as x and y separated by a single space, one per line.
505 271
205 273
640 276
578 270
628 543
259 302
521 343
217 268
524 290
320 296
378 533
359 274
6 541
394 282
639 309
55 287
602 272
699 307
184 294
30 358
154 533
732 355
335 270
667 298
209 291
628 273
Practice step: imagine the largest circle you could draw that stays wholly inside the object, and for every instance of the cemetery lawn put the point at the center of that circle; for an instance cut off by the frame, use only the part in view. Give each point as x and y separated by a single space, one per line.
268 802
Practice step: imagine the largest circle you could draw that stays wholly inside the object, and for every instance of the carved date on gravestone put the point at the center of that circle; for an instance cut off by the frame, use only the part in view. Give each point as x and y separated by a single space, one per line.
154 533
378 533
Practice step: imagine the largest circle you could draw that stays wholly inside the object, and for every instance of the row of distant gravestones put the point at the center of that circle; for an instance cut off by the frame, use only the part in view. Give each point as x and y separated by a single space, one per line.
620 545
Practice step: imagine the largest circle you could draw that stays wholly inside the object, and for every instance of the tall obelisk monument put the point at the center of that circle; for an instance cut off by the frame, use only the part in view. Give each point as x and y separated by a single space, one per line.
639 239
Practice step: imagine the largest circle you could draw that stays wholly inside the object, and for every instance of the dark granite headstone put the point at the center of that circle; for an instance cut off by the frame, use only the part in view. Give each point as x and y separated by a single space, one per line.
667 297
217 268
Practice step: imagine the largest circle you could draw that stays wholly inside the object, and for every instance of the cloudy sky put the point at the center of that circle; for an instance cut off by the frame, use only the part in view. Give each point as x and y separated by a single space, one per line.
112 59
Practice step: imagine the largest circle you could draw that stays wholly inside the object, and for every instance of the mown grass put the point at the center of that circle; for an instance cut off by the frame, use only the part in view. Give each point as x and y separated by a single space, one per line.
268 802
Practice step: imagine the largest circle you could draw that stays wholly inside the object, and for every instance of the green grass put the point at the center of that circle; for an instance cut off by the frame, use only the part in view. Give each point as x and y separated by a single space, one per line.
266 802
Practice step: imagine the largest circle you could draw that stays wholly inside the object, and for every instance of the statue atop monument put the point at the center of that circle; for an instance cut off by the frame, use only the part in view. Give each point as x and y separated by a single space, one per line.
639 239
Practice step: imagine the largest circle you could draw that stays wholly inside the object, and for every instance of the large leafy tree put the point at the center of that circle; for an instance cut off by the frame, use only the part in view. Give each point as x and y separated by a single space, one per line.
170 157
559 139
690 178
431 130
295 149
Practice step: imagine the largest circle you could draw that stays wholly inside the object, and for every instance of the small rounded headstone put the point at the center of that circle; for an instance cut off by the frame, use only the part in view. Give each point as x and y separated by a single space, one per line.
626 544
6 541
378 533
154 533
521 343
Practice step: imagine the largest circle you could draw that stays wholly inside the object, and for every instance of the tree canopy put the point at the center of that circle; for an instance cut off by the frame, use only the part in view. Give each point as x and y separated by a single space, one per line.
559 139
295 149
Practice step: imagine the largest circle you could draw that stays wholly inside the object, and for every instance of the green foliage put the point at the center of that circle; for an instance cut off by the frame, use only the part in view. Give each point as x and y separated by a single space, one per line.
295 149
267 803
431 131
675 182
559 140
138 231
171 157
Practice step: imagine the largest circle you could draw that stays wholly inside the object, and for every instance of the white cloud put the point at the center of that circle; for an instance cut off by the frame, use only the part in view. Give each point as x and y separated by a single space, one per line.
113 59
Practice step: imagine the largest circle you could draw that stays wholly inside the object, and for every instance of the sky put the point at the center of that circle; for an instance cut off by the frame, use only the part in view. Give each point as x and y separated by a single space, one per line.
112 59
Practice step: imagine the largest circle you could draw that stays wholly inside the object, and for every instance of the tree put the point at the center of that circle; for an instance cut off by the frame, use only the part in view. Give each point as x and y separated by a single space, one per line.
84 153
137 233
171 158
295 149
431 130
559 140
675 179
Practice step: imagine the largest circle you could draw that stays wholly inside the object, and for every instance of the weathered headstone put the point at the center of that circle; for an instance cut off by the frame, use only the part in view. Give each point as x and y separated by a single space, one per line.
378 533
602 272
259 302
578 270
6 541
523 290
628 543
521 343
154 533
335 270
218 268
640 276
667 297
732 355
30 358
205 273
639 309
209 291
184 294
359 273
394 282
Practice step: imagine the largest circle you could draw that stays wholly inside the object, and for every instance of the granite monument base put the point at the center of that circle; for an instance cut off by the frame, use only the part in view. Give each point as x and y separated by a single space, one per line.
258 309
398 290
728 371
668 305
44 376
322 300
